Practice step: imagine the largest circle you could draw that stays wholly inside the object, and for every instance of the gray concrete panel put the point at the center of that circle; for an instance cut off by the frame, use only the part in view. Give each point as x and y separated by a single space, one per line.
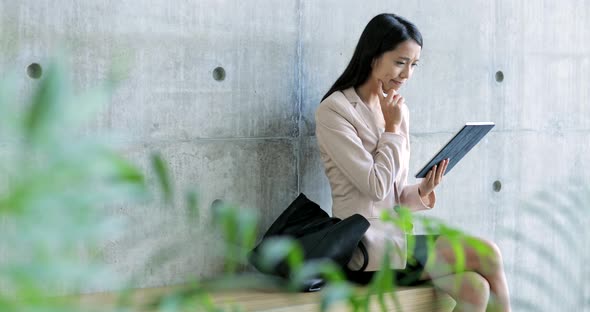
170 52
314 182
249 174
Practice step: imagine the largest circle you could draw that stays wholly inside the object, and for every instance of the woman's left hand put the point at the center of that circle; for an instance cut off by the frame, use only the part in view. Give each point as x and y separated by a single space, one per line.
433 178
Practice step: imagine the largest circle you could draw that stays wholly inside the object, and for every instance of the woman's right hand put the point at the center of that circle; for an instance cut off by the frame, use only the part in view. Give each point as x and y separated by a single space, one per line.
391 106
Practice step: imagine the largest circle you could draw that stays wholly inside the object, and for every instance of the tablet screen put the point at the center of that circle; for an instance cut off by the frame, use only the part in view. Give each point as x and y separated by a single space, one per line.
458 146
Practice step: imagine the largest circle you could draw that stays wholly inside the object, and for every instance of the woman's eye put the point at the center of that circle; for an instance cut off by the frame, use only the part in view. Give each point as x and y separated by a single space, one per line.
402 63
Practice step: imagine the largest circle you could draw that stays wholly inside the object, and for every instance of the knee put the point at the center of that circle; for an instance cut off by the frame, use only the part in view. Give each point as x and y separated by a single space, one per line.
476 290
492 257
483 256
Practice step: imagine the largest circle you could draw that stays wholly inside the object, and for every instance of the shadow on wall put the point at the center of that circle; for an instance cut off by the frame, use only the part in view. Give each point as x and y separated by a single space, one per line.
562 216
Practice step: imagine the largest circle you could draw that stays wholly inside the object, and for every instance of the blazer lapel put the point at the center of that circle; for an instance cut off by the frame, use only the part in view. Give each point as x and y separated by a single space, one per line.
362 109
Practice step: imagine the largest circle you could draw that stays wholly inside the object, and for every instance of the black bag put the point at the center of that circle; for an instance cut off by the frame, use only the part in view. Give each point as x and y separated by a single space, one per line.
320 237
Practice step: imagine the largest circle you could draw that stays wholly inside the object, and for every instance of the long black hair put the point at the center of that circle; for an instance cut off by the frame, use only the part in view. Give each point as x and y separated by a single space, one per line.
383 33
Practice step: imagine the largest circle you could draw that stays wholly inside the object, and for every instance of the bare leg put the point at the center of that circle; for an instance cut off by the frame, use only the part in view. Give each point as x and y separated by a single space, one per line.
470 290
488 265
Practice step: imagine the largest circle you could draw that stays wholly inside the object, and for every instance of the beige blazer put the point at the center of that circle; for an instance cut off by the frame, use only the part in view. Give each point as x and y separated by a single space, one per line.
368 170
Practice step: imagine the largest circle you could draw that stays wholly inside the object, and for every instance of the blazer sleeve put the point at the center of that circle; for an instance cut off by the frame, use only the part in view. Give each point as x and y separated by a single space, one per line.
410 198
374 175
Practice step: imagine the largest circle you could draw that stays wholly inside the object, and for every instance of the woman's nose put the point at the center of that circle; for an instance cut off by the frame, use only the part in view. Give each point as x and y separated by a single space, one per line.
406 73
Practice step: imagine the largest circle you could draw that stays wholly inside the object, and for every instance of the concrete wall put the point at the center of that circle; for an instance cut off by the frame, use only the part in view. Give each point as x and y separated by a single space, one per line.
540 141
249 139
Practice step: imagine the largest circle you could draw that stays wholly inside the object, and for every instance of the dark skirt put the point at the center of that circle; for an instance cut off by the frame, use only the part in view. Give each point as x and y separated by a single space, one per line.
410 276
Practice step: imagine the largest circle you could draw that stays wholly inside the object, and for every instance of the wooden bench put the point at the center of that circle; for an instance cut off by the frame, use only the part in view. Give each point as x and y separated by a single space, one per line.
422 298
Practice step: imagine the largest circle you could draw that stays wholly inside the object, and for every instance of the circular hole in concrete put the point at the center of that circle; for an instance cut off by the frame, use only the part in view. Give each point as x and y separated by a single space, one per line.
497 186
34 71
499 76
219 74
216 204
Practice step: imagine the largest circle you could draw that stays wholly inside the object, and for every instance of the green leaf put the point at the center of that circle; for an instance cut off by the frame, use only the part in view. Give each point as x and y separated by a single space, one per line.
161 170
124 170
335 293
403 218
247 229
324 268
238 227
275 250
45 105
383 281
192 208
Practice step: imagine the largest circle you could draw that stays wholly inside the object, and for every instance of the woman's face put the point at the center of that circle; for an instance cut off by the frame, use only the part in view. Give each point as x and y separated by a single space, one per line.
395 67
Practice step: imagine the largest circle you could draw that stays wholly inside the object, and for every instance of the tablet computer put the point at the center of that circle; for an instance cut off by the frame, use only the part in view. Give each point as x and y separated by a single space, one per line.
458 146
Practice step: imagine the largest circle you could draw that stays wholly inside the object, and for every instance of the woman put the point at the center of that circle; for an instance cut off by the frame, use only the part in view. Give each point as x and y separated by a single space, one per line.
362 128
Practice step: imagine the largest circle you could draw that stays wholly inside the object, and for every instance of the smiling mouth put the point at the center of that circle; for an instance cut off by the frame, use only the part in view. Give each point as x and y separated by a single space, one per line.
397 82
